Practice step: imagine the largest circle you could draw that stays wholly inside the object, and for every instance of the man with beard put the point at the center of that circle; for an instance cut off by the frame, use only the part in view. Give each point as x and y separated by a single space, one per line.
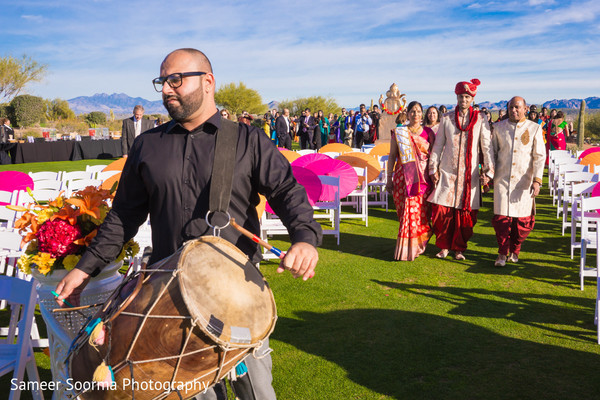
520 156
454 170
168 175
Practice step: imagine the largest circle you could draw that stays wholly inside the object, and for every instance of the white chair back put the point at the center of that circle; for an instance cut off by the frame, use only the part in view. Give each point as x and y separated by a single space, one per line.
48 184
45 175
18 357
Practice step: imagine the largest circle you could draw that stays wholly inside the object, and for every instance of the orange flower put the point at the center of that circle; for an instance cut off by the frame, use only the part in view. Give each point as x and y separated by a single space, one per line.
85 241
68 214
27 220
90 200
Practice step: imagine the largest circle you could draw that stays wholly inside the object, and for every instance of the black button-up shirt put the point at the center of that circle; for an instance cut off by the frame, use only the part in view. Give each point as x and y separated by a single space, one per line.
167 175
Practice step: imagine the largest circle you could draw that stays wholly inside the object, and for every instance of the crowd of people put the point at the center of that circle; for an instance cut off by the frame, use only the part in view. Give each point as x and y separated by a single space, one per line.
441 162
314 130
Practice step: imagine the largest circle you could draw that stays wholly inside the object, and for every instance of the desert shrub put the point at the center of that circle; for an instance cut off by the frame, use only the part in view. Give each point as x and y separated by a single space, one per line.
69 126
592 124
95 118
26 110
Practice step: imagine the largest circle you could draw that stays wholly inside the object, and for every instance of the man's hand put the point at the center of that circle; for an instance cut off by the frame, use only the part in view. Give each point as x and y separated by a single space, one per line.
435 177
535 189
71 286
301 260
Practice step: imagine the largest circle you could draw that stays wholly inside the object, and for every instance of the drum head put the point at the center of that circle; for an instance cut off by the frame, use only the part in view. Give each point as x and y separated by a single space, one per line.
225 293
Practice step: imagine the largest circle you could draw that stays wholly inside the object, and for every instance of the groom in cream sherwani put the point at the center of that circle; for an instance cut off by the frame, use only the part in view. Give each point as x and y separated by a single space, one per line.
520 155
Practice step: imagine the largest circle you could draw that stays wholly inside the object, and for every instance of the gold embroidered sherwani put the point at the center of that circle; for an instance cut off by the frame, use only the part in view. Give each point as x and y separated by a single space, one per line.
520 155
449 155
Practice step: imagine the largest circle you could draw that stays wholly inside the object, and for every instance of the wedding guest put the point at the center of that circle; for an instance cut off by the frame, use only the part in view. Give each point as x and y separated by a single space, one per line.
133 127
307 130
443 109
409 183
557 132
225 113
323 129
432 119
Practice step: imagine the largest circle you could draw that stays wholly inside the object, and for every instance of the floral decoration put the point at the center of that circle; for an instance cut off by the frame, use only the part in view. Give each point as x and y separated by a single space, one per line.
58 232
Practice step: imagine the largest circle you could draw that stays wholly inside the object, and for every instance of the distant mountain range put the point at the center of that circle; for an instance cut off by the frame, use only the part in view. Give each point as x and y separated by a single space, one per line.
119 103
122 104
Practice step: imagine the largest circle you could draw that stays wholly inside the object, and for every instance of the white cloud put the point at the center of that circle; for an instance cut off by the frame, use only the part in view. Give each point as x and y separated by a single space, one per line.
350 50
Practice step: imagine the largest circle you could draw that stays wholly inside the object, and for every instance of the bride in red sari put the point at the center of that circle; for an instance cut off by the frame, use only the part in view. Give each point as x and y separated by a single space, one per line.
410 184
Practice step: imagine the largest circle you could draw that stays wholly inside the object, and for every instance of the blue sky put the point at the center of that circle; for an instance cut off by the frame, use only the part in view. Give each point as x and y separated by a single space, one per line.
350 50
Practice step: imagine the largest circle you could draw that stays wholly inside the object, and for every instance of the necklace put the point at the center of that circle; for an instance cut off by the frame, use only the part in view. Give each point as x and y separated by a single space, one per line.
415 130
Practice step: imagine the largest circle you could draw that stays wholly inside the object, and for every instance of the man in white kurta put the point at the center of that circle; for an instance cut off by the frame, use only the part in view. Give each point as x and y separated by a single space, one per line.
520 156
454 169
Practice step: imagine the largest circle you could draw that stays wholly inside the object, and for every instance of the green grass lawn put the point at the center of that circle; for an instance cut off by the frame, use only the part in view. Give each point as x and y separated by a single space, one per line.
368 327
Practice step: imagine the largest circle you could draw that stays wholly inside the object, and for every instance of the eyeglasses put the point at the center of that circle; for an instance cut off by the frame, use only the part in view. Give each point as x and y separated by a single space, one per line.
174 80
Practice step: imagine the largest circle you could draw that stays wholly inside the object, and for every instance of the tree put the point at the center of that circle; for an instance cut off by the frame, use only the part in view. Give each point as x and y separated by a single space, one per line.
315 103
26 110
95 118
238 98
59 109
15 74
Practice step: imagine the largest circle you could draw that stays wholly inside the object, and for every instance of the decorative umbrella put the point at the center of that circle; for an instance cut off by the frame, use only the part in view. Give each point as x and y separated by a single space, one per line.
588 151
290 155
591 159
310 181
363 160
307 159
335 167
335 148
14 180
382 149
110 181
116 165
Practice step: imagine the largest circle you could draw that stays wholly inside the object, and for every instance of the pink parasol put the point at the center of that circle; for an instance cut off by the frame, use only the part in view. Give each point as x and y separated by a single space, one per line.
337 168
310 181
14 180
588 151
306 159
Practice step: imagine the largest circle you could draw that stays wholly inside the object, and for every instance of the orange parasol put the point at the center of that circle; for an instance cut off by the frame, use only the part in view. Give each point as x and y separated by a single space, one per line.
335 148
260 208
382 149
110 181
591 159
363 160
116 165
290 155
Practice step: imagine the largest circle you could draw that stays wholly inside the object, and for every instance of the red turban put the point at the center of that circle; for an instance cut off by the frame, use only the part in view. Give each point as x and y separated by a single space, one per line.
467 87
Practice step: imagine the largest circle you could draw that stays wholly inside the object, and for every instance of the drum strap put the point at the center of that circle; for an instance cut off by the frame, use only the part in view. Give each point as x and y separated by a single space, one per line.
223 166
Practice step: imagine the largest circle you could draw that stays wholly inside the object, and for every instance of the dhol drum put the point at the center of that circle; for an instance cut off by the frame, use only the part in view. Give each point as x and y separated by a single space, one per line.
175 329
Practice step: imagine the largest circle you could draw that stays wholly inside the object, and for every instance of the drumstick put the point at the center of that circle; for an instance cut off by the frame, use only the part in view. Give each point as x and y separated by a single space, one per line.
254 238
258 240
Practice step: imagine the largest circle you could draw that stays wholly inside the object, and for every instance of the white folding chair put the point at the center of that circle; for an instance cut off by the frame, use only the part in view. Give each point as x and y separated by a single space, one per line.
7 218
48 184
74 186
41 195
333 208
270 225
73 175
358 198
94 169
18 357
597 311
579 190
565 196
104 175
552 172
45 176
560 182
305 151
377 187
7 197
589 226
